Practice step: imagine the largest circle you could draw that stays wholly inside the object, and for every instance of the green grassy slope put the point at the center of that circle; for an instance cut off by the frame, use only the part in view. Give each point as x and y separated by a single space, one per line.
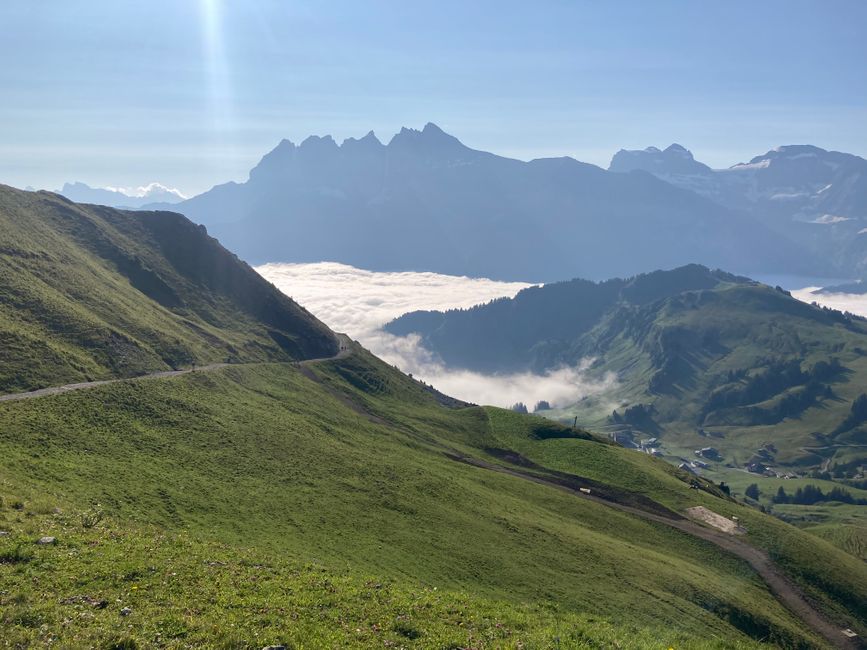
850 538
343 465
183 592
699 351
826 573
87 293
328 503
693 361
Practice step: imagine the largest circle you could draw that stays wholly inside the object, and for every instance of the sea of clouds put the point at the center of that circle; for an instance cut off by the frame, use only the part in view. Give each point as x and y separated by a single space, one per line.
360 302
851 302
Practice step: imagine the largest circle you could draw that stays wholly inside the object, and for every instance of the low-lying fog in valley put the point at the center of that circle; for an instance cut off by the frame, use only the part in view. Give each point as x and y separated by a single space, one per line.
851 302
359 302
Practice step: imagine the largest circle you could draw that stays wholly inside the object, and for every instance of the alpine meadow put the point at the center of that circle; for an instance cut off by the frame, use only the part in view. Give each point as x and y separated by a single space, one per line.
540 387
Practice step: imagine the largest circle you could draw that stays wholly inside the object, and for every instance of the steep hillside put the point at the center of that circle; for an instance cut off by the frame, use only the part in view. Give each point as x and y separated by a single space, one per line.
336 501
89 292
370 204
353 467
775 380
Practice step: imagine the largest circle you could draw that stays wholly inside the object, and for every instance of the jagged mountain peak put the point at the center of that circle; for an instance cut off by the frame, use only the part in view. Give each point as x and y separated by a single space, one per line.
324 143
679 150
431 139
367 143
675 159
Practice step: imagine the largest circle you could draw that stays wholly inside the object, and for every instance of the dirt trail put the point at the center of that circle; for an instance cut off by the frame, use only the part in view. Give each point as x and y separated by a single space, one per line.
785 591
344 349
57 390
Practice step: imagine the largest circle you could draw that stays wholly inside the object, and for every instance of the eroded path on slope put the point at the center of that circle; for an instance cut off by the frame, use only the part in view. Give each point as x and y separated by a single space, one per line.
789 594
344 343
785 591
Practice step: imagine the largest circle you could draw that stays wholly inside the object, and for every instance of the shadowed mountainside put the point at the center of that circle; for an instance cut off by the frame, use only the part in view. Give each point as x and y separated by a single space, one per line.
90 292
371 205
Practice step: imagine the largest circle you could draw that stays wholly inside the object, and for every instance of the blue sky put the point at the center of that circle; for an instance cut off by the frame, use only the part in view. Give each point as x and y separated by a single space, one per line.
192 93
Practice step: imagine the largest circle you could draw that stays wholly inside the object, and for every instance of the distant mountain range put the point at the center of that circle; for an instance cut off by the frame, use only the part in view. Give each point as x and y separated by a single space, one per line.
424 201
693 350
337 494
121 197
817 198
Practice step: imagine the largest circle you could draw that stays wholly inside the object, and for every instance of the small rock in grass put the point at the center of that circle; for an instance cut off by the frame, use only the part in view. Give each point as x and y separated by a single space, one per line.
126 611
4 533
47 540
274 647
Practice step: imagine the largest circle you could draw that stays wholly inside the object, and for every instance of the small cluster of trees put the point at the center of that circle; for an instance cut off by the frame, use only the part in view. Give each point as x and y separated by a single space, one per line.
810 494
779 376
857 415
541 405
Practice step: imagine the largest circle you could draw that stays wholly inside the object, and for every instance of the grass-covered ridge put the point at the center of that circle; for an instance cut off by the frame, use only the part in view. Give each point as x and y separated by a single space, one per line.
87 292
303 464
701 357
332 502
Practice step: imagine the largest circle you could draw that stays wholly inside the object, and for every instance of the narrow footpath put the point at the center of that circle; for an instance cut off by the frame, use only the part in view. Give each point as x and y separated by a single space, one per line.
344 349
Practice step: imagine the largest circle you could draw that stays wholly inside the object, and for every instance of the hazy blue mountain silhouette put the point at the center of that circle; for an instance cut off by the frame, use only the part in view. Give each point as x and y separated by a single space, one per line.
815 197
425 201
150 194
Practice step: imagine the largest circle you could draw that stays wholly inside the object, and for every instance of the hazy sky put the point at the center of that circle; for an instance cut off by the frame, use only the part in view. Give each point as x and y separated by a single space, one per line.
193 92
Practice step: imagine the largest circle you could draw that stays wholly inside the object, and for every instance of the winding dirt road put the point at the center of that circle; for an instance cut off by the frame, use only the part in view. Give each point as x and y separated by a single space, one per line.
785 591
789 594
344 343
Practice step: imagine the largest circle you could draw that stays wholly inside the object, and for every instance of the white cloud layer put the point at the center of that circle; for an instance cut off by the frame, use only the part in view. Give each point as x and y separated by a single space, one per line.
148 191
851 302
359 302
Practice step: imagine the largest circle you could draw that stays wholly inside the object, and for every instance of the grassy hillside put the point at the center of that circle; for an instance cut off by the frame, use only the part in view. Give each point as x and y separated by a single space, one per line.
255 598
344 465
87 292
702 358
332 502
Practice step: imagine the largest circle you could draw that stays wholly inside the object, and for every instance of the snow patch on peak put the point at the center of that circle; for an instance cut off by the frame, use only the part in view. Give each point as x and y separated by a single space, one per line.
757 164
